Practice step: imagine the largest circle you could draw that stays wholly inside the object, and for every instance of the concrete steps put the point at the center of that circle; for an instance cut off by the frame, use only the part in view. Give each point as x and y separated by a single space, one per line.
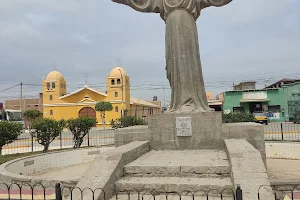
172 184
178 171
182 171
200 163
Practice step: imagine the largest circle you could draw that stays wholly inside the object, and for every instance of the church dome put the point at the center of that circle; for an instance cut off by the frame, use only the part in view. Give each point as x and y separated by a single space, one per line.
54 76
117 72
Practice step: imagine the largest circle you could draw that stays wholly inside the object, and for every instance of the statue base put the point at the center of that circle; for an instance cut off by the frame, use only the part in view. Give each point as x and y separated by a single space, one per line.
179 131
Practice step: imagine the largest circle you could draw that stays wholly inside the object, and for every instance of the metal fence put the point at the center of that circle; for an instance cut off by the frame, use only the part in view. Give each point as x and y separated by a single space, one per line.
27 143
26 191
281 191
100 137
282 131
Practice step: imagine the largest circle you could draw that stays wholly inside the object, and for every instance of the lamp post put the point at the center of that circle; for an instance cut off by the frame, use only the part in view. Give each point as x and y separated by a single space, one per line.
122 114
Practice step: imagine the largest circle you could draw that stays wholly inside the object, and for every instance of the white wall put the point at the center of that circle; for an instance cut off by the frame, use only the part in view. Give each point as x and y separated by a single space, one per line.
21 169
283 150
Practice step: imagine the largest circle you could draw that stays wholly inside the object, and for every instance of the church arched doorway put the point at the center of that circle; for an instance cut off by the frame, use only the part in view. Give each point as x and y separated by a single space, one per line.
87 112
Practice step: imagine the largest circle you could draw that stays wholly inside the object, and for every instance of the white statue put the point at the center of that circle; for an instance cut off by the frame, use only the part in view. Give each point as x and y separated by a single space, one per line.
183 66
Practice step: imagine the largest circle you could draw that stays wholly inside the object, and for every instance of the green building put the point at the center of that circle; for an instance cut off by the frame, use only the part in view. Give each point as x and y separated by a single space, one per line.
281 100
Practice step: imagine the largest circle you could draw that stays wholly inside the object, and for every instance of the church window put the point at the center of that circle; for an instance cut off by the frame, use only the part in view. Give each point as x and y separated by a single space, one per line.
116 94
51 112
116 109
112 81
51 97
48 86
53 85
118 81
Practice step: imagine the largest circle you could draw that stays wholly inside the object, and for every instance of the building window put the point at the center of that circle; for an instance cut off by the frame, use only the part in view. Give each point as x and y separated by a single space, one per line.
118 81
53 85
116 109
274 109
116 94
112 81
51 112
51 97
48 86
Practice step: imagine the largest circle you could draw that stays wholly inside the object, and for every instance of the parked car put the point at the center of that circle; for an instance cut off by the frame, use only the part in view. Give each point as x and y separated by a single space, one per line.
297 118
261 117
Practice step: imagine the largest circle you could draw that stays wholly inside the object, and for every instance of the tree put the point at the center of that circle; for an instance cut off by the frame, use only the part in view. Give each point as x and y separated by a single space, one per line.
31 116
80 127
46 130
102 107
9 131
238 117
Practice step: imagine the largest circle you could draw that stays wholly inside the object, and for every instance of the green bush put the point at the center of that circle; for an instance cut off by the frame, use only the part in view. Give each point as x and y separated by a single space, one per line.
80 127
238 117
46 130
9 131
126 122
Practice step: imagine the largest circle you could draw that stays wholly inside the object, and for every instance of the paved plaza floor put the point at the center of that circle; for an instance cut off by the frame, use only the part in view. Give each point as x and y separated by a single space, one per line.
283 170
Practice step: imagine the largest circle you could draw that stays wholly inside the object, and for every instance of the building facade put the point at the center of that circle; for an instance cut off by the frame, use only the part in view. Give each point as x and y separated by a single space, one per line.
27 104
58 104
281 103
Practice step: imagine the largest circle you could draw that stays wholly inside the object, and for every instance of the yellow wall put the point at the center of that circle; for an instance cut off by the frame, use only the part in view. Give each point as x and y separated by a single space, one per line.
59 90
69 106
121 88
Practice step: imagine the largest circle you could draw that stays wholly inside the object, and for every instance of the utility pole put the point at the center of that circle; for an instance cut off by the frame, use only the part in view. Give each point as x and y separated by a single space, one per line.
21 97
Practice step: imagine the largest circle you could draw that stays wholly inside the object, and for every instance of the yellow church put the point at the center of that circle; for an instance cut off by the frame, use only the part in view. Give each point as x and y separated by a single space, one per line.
59 104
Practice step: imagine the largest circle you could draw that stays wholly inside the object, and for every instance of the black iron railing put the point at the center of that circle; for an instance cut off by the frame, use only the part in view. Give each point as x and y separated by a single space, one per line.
27 143
26 191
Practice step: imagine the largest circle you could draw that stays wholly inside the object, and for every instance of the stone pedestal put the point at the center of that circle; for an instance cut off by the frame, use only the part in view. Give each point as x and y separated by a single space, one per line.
178 131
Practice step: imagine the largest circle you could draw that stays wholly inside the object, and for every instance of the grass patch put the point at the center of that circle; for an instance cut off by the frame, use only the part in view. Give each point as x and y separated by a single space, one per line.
6 158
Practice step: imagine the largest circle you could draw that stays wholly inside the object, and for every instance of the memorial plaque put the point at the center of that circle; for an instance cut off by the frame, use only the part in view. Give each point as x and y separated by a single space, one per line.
183 126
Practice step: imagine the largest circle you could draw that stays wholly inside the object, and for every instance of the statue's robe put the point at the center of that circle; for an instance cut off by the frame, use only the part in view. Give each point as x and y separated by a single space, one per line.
183 64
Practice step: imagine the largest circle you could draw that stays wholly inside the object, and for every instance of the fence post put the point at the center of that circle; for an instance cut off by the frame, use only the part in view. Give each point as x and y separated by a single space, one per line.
60 140
239 193
31 141
58 195
281 128
88 138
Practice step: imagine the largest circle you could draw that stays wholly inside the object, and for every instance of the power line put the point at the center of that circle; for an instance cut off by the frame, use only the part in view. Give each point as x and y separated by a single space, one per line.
9 88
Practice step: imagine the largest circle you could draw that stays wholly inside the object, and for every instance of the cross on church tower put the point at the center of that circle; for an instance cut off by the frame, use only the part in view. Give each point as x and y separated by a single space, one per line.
86 77
54 66
119 62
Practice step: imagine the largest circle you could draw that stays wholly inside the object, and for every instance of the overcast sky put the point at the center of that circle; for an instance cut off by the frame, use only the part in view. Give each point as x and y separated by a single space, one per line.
245 40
